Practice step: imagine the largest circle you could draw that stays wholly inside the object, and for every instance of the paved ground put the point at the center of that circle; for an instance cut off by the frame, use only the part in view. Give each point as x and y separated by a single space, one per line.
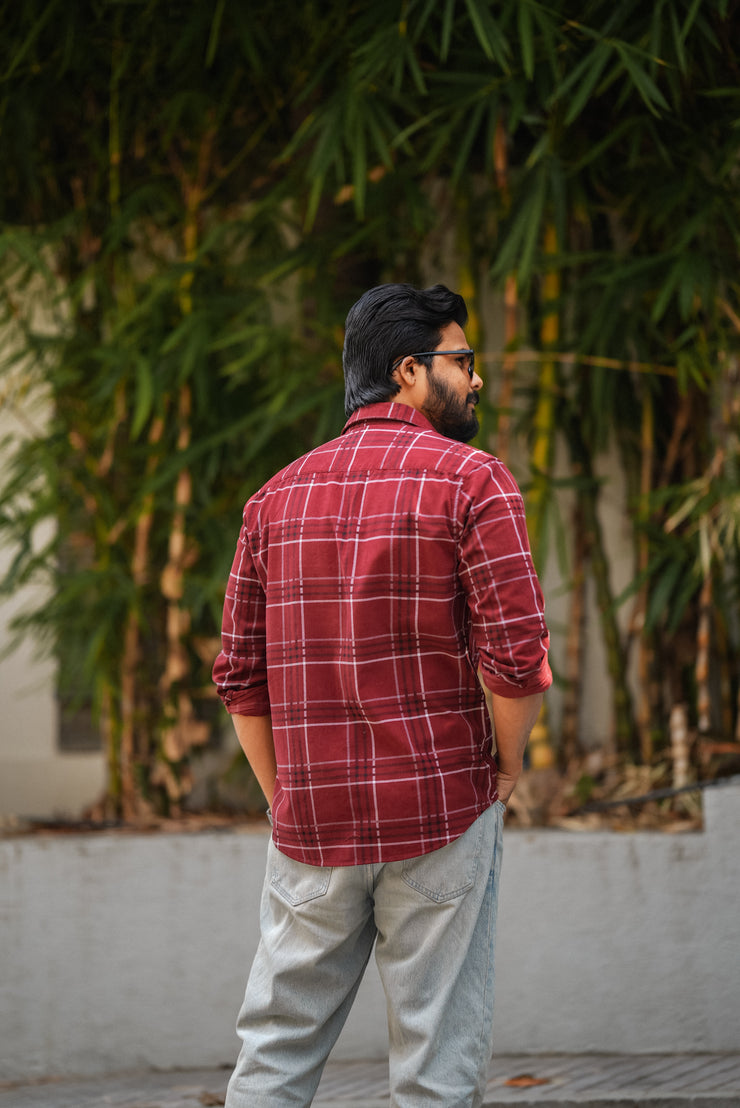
589 1081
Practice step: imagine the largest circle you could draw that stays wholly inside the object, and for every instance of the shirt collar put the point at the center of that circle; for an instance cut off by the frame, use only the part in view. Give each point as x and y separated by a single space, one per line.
388 412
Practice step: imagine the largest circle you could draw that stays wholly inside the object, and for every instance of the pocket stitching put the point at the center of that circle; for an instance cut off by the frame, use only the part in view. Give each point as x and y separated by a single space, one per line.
294 900
438 897
449 894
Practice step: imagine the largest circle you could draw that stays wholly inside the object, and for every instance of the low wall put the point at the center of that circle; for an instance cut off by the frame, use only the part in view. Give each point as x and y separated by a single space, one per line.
126 951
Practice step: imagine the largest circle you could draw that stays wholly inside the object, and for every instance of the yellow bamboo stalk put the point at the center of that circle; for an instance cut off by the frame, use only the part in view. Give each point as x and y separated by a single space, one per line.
703 641
543 424
540 749
184 730
466 284
110 730
511 305
680 745
508 366
574 641
647 447
466 280
173 584
133 804
105 462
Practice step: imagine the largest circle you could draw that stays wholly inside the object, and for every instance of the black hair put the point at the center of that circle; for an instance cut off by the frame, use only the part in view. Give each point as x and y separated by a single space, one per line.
387 323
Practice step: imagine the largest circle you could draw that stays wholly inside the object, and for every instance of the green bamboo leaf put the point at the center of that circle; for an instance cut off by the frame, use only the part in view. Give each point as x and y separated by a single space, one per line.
328 145
380 125
690 18
558 192
417 24
679 44
447 23
518 248
642 81
442 139
539 151
144 397
597 62
19 54
689 285
215 31
667 290
488 34
359 170
193 352
314 198
466 140
594 154
662 591
526 37
414 68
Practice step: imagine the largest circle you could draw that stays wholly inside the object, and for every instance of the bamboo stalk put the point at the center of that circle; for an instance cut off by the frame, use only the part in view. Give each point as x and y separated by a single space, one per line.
173 582
114 123
574 643
644 709
702 666
541 752
680 426
466 277
130 751
511 307
625 733
680 745
111 741
508 366
543 423
183 730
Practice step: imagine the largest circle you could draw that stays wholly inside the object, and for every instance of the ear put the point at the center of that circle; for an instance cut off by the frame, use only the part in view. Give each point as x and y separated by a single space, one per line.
407 372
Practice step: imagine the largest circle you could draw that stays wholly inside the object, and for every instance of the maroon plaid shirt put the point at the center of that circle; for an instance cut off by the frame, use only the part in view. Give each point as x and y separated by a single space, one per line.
372 578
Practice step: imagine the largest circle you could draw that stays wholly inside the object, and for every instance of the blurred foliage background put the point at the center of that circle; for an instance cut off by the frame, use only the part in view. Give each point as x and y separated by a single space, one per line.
192 196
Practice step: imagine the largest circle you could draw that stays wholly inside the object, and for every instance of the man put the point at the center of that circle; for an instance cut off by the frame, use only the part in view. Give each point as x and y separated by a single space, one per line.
373 580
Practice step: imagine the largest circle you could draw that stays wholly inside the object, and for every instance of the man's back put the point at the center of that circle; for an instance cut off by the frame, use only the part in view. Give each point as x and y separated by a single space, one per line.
363 577
374 580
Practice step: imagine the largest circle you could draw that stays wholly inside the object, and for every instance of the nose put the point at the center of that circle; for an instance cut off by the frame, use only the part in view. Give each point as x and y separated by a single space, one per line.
476 381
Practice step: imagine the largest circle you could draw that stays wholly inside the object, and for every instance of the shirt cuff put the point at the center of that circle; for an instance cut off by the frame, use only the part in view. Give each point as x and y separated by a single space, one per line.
536 682
246 702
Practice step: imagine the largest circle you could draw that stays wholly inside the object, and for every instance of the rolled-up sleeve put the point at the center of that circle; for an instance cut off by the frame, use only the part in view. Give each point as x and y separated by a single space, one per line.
240 670
503 592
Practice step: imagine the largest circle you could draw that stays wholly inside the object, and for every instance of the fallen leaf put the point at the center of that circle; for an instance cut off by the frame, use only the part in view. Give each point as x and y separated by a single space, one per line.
526 1080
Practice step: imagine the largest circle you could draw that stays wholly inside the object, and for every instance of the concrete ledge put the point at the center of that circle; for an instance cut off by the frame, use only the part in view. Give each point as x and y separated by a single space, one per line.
122 952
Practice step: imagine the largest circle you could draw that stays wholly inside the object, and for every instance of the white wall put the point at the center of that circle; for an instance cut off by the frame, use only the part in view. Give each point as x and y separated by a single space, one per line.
36 779
132 951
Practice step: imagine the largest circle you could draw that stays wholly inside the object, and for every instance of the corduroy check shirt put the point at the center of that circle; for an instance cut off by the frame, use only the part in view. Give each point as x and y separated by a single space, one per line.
373 577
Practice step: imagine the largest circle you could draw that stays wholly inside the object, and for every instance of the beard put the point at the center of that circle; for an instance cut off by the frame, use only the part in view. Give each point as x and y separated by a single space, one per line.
450 414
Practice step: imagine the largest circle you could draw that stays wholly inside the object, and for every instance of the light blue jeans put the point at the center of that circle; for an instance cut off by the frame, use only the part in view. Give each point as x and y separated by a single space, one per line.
433 921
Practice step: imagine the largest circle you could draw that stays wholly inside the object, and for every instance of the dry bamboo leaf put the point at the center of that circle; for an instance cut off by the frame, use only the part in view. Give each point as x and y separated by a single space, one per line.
526 1081
162 774
185 733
